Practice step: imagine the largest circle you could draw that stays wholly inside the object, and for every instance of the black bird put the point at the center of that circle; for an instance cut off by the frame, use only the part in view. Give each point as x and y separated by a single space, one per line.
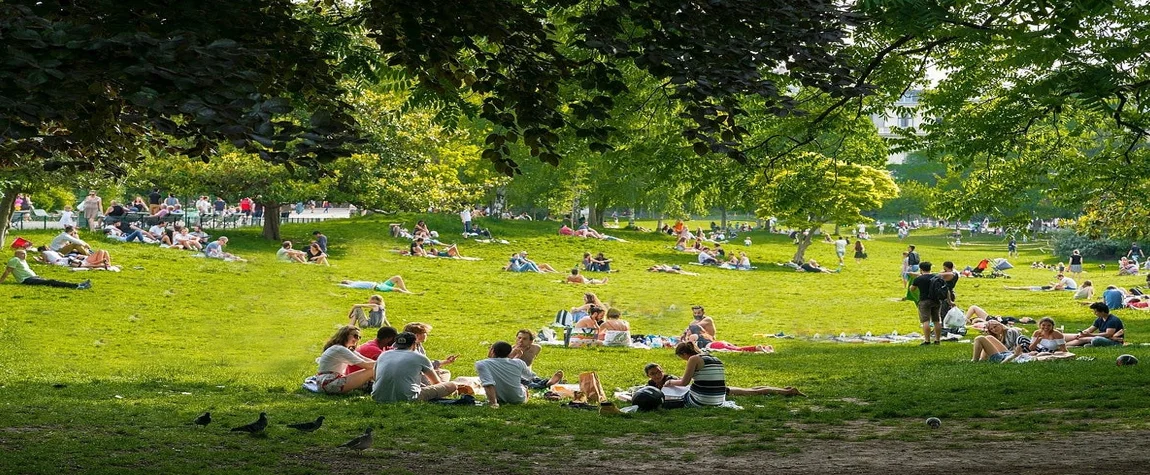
256 427
308 426
204 419
361 442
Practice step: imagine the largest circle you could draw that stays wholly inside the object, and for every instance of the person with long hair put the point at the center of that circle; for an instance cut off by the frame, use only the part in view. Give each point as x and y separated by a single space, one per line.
316 255
332 376
996 345
704 377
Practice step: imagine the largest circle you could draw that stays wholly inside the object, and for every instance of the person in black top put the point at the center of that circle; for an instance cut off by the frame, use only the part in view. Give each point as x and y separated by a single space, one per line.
1135 252
114 212
948 268
416 248
1076 263
930 306
154 200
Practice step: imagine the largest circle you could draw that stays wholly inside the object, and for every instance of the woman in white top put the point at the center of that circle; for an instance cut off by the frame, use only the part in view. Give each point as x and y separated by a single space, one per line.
332 377
184 240
1046 339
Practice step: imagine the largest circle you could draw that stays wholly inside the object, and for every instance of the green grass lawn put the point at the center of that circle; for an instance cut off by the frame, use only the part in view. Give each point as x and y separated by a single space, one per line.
107 379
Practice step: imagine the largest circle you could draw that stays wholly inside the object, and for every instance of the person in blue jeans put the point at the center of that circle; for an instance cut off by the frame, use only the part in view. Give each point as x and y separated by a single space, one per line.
1107 329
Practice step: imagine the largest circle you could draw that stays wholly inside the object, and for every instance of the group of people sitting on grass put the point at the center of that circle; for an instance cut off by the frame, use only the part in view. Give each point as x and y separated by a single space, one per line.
394 367
418 248
176 237
313 255
520 263
598 324
586 231
1002 343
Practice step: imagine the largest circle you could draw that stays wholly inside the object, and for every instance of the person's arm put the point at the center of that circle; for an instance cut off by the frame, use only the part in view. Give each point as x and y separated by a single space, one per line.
492 399
1109 334
688 373
432 376
1087 332
7 270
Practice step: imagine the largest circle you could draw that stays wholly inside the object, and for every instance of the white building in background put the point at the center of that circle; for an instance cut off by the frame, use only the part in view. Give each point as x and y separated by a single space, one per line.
903 114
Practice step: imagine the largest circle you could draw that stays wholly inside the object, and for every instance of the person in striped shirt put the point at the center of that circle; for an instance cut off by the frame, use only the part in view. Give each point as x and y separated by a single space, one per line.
704 377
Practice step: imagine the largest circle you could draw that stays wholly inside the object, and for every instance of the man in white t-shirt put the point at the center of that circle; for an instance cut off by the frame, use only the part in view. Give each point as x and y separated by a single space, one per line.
840 248
465 216
67 243
502 378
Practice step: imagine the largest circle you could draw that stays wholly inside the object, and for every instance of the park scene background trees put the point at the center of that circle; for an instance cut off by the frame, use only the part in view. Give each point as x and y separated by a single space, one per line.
664 107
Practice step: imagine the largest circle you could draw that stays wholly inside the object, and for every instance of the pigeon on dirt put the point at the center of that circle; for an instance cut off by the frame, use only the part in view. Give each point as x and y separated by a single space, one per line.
256 427
308 426
204 419
359 443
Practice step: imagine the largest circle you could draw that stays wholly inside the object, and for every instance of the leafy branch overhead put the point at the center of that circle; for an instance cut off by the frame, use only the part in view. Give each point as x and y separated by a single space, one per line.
524 58
87 85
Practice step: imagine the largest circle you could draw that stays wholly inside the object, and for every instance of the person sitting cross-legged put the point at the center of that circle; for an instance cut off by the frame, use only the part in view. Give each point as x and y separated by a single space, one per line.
502 377
287 254
334 375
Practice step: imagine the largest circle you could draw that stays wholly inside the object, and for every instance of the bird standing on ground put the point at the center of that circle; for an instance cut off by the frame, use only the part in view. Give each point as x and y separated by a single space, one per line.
256 427
359 443
308 426
204 419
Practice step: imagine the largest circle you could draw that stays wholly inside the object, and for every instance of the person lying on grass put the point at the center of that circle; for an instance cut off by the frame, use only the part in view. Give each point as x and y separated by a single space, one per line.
98 259
813 266
669 269
526 349
520 263
370 314
586 231
1107 329
403 374
657 378
333 376
978 317
287 254
1061 282
577 278
702 332
393 284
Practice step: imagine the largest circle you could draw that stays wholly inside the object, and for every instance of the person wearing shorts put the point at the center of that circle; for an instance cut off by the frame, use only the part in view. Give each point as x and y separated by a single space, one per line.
394 284
399 374
929 309
333 376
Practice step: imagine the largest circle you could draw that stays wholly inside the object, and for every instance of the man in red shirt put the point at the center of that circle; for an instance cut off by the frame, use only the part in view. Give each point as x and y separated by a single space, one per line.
384 339
246 206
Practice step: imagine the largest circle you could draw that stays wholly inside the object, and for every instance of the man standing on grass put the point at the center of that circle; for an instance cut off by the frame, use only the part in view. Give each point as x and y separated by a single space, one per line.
929 304
912 259
951 283
18 267
465 216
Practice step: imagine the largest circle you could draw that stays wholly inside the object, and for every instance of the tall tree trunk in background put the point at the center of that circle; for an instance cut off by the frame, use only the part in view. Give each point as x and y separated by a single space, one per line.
631 218
271 221
724 217
804 243
659 224
599 215
7 205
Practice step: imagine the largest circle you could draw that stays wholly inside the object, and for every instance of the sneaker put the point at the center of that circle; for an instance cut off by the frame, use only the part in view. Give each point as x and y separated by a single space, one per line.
938 342
85 285
925 343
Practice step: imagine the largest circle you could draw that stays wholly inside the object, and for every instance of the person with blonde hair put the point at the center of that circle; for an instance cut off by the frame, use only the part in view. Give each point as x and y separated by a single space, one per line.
332 376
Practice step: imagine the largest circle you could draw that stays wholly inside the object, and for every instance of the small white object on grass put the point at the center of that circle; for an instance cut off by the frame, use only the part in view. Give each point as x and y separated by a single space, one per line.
934 422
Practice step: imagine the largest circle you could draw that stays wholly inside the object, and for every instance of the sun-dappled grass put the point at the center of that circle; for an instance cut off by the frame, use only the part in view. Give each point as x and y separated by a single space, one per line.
145 350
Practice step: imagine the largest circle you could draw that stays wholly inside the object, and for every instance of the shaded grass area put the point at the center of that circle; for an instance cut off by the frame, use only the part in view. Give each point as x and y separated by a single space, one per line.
148 349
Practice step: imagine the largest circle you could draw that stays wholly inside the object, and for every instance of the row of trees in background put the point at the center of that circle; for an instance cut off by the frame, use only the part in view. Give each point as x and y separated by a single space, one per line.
552 106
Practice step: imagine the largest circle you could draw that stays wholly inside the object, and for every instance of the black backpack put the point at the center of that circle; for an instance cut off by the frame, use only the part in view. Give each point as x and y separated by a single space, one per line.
912 259
937 289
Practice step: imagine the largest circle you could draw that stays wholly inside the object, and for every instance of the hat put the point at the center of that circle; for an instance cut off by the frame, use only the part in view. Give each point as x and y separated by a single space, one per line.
404 340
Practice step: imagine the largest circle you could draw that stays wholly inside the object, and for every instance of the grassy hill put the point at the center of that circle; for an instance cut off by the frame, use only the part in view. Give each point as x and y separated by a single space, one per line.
107 379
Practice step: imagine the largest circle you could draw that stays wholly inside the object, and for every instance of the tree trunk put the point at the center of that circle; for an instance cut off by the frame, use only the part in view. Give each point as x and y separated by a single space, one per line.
271 221
724 217
7 205
599 216
659 224
804 243
631 218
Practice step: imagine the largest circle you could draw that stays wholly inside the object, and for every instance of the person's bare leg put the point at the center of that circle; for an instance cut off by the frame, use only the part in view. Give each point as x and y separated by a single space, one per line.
765 348
975 310
358 380
926 330
546 268
398 284
977 345
765 391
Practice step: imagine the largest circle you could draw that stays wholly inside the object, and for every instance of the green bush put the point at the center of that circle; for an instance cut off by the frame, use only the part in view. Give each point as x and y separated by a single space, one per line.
54 198
1066 241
